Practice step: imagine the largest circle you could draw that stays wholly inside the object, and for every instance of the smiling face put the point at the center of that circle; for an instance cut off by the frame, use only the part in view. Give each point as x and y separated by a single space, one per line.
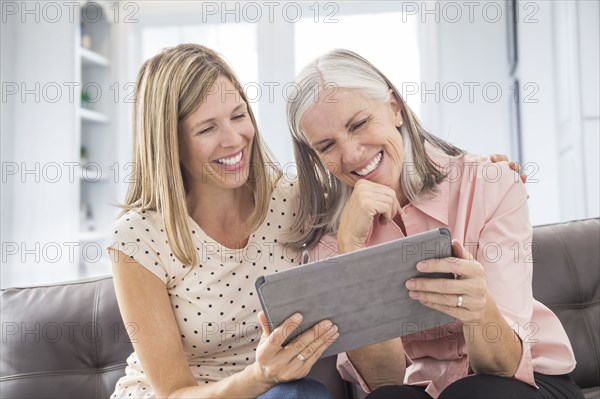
356 137
215 141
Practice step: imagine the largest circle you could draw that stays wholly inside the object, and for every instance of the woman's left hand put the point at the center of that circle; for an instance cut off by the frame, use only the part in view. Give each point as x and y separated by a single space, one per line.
511 164
464 297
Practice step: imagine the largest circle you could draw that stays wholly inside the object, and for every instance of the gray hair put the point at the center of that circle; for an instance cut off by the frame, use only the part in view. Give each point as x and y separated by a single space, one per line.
322 195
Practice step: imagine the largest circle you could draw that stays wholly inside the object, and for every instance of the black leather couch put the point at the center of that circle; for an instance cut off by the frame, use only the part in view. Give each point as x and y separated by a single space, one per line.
68 341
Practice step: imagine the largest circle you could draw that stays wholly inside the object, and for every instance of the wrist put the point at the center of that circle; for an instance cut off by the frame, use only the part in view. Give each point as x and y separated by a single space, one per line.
345 246
257 377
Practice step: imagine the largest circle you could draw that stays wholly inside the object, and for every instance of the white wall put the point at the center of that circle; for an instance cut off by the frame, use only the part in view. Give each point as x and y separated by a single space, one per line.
38 138
536 66
588 38
559 53
7 54
474 90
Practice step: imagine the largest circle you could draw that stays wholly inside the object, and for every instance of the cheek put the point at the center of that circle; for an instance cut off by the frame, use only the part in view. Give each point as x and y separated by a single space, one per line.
248 130
395 149
336 170
197 151
331 163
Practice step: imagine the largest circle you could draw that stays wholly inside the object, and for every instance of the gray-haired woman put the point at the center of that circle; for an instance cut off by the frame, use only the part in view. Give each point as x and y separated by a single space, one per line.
369 173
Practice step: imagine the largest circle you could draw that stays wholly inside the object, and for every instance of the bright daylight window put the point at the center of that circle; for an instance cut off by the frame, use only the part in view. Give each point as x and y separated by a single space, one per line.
399 60
235 42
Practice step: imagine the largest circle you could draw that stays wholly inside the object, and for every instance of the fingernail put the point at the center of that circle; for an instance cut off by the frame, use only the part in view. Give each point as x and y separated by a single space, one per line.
410 284
326 325
297 317
413 294
422 266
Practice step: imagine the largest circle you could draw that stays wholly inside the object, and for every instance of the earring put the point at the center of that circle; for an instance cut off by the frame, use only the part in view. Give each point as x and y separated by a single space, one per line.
398 124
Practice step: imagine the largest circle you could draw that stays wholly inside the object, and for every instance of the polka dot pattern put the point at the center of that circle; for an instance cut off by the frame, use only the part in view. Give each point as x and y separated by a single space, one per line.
214 302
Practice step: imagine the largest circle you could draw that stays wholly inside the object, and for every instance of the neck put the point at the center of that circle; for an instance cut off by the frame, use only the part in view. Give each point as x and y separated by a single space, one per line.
402 199
213 208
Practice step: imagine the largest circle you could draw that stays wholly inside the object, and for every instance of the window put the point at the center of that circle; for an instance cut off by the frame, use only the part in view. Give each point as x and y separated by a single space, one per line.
235 42
367 35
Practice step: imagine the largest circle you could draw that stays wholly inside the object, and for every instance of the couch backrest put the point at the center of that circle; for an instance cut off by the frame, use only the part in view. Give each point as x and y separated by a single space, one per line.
566 278
68 341
62 341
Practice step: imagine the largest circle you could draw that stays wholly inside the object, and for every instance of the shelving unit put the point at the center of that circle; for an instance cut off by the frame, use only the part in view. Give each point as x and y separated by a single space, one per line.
95 124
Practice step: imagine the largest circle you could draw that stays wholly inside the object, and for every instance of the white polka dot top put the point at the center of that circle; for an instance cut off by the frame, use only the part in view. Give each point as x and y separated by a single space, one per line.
214 302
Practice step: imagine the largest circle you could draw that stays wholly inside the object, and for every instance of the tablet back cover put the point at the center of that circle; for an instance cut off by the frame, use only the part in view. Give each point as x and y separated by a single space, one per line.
362 292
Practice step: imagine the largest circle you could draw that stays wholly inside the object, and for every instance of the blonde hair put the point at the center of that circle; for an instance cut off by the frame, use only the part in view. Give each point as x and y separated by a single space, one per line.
319 214
170 86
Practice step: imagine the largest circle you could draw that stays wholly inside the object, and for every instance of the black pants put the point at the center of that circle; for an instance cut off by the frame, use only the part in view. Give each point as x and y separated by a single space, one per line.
482 386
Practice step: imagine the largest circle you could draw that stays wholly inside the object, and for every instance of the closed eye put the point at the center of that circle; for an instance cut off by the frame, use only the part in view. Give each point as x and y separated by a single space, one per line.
239 116
326 147
207 130
360 124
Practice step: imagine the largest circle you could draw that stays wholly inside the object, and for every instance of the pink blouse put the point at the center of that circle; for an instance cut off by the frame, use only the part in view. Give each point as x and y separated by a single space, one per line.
485 207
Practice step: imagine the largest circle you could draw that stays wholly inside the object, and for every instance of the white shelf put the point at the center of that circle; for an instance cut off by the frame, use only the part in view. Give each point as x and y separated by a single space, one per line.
90 58
94 125
87 115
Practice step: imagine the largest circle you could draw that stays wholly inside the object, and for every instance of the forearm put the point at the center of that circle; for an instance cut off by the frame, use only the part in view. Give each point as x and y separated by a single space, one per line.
380 364
493 347
248 383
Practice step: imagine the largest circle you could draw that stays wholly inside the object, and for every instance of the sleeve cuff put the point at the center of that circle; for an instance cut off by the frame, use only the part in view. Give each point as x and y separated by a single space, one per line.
524 371
350 374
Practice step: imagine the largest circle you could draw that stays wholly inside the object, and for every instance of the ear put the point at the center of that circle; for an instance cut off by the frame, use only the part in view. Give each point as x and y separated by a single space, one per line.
396 108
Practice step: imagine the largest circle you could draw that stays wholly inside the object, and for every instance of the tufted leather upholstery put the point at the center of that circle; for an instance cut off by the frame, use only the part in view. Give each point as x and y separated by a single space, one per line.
566 278
62 341
68 341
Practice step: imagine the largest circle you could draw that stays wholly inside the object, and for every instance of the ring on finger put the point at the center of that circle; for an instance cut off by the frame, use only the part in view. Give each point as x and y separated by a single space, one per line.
300 357
459 301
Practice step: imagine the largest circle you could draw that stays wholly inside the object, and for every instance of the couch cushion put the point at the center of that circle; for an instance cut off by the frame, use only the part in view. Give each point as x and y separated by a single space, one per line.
566 278
62 341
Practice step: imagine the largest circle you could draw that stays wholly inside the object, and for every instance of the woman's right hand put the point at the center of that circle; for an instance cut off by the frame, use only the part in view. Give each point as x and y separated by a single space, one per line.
277 363
368 201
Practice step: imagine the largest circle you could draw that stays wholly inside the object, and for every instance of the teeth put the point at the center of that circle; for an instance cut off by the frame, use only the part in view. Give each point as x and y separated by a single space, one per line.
232 160
370 167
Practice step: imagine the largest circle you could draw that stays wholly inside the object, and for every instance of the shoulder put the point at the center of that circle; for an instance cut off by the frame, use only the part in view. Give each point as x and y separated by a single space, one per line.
495 184
138 218
283 204
497 176
285 194
286 187
144 223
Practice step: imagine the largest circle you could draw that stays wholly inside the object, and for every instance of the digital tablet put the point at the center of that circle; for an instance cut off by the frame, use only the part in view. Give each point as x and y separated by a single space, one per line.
362 292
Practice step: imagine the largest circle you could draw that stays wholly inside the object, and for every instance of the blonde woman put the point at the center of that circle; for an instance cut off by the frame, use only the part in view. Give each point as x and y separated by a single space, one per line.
385 177
203 219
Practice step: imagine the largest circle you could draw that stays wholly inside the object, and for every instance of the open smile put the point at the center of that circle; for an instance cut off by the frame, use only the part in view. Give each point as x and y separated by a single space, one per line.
232 162
370 167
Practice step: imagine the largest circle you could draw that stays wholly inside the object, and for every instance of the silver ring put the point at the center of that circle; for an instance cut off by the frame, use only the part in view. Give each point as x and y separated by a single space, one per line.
459 301
301 357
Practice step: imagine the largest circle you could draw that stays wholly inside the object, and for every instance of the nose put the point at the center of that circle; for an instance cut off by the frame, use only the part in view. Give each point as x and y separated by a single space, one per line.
352 152
230 136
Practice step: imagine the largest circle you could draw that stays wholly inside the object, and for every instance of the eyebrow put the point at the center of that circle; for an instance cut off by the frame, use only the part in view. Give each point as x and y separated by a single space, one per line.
348 125
196 125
